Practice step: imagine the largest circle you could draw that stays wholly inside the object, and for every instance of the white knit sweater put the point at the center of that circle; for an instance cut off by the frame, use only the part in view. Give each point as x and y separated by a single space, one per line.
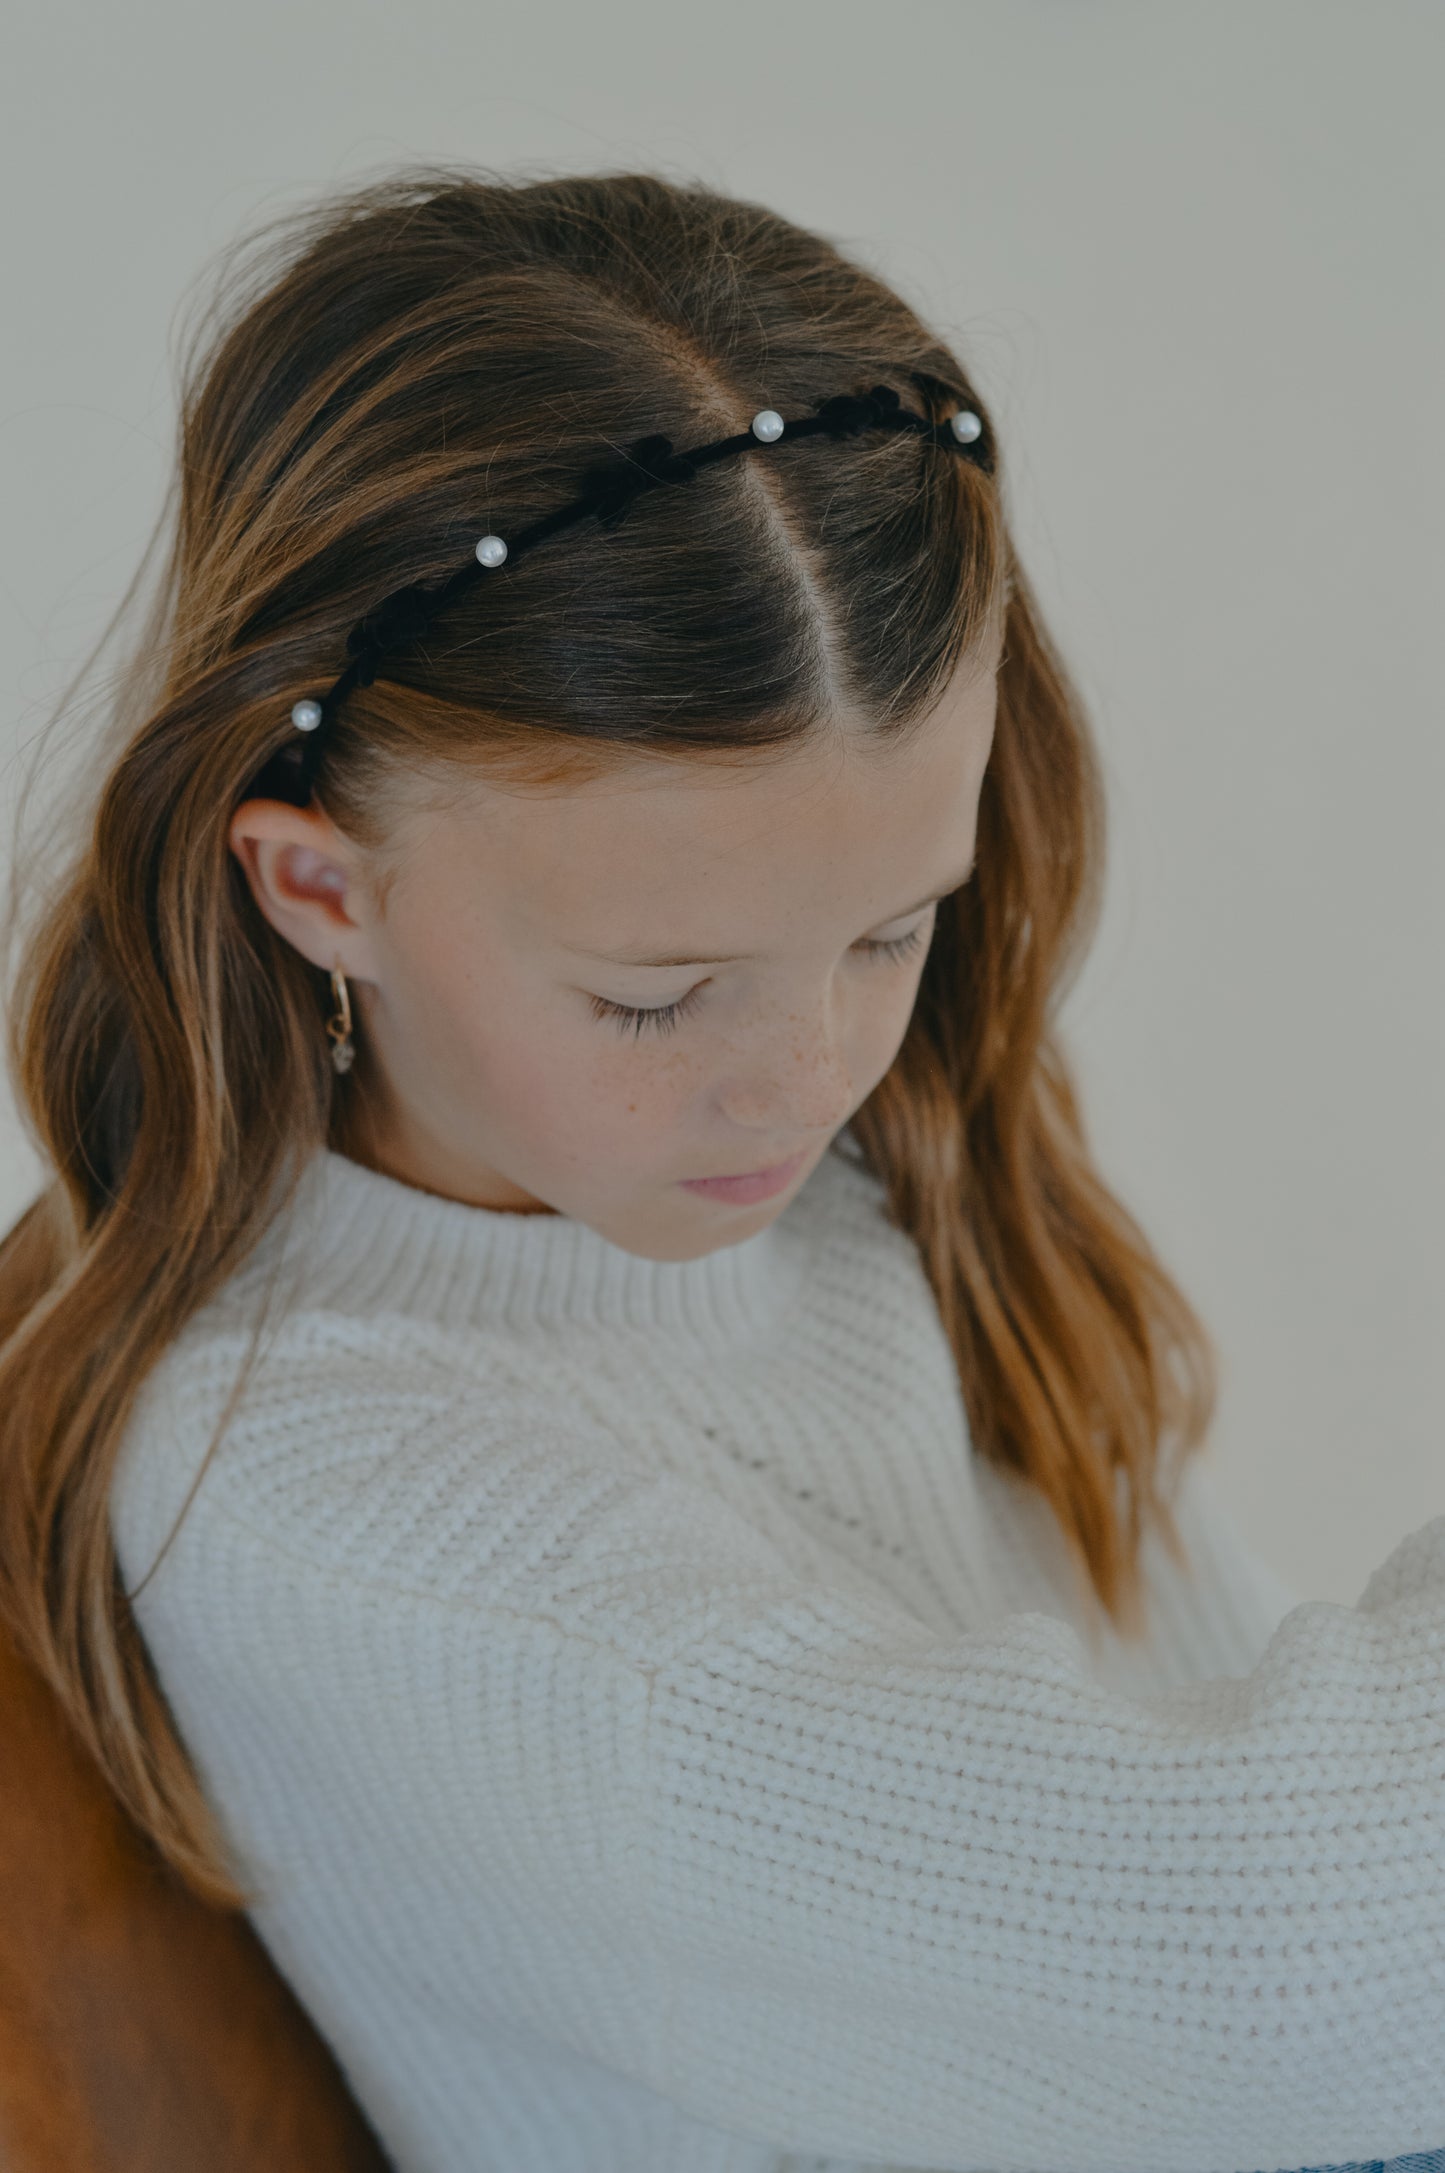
663 1746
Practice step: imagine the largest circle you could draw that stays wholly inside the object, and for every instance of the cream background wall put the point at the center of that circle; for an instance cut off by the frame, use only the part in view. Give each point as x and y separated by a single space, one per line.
1193 256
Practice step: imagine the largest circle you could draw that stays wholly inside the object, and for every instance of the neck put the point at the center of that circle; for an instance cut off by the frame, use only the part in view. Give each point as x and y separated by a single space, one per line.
370 1129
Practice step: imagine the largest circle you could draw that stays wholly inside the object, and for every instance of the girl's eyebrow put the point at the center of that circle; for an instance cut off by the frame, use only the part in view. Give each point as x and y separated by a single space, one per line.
637 958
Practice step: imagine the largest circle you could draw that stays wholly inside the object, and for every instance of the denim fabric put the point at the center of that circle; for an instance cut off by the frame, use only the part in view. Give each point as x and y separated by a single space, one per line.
1420 2161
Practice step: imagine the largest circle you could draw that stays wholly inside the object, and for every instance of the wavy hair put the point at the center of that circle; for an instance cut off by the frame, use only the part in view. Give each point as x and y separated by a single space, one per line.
373 374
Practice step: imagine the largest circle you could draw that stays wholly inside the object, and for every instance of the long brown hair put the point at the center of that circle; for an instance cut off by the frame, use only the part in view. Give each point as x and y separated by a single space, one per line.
383 369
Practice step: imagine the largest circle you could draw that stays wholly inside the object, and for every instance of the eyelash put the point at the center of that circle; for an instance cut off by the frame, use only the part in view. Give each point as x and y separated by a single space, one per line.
664 1017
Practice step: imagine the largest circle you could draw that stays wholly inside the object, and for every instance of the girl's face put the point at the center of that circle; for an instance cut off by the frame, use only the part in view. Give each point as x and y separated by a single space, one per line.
573 1001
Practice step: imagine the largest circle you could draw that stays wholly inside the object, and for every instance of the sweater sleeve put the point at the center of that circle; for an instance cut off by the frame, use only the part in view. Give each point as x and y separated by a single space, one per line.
816 1873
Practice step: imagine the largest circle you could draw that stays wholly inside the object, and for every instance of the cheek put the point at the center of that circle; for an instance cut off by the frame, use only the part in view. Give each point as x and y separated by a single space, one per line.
537 1065
472 1036
635 1093
881 1027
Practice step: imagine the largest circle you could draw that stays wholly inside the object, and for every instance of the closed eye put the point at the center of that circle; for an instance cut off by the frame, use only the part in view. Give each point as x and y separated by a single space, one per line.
662 1018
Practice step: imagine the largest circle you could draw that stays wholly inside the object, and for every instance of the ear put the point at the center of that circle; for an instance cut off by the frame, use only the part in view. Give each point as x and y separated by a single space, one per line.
306 877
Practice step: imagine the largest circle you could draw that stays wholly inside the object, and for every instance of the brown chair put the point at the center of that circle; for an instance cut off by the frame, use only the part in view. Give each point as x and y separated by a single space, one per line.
141 2031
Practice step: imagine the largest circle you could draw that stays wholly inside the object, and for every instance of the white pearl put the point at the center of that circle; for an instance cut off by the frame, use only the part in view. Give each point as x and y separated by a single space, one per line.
306 715
965 426
491 550
768 425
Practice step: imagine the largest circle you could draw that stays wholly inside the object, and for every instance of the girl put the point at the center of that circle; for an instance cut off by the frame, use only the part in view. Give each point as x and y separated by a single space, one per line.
581 1436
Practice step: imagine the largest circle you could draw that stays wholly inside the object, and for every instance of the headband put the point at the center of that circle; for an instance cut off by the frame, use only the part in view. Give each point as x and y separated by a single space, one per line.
608 489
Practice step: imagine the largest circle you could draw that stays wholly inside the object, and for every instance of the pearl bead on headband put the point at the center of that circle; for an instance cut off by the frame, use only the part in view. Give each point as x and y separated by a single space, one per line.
608 489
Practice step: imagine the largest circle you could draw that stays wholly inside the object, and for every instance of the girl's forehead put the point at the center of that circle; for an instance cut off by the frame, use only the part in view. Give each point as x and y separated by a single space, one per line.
579 775
716 839
714 787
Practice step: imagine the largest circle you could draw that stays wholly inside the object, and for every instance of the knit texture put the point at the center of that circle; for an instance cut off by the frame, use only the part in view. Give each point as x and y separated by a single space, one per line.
661 1744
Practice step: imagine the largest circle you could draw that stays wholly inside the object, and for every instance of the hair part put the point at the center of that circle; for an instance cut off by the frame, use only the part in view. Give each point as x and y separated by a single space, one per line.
386 374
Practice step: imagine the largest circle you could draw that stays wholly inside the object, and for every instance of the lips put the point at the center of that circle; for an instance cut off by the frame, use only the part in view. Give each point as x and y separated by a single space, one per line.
735 1177
748 1190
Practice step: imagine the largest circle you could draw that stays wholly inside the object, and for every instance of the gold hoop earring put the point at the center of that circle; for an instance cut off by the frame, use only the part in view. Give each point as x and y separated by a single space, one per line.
339 1027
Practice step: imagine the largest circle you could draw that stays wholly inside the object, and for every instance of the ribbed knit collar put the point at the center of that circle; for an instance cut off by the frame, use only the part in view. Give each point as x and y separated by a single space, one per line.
372 1242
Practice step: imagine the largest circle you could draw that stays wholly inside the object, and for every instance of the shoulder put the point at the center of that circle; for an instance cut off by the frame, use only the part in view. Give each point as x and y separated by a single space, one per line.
394 1479
353 1511
376 1443
325 1439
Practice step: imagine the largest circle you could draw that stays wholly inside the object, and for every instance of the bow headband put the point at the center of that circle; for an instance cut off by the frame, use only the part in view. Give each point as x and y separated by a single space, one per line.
608 489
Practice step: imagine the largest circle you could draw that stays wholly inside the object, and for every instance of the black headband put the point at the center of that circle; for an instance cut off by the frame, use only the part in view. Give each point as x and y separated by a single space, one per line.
608 489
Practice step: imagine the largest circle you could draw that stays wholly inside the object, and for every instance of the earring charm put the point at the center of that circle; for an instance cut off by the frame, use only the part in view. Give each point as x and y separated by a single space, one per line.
339 1026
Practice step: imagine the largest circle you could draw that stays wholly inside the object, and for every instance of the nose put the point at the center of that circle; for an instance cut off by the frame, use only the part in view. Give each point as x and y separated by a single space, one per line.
795 1084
